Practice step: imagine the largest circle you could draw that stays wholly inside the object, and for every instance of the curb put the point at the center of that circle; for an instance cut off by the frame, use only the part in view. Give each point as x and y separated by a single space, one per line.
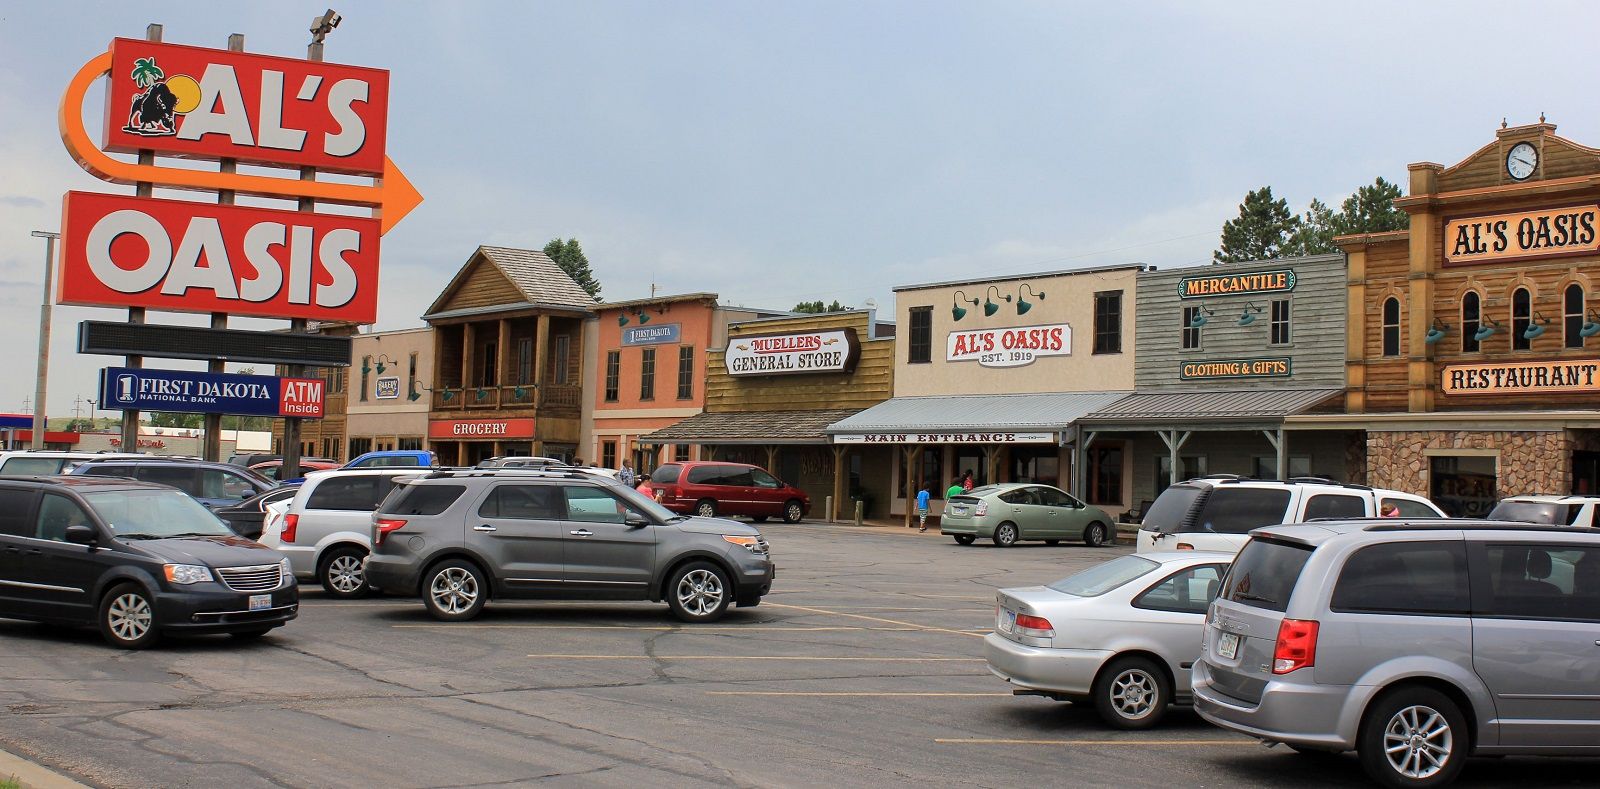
34 776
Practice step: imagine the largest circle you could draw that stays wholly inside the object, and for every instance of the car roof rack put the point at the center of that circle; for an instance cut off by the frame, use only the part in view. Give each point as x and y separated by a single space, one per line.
548 472
1471 524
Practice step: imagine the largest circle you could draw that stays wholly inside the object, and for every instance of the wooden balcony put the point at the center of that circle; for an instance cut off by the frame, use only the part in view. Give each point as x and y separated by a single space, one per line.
492 398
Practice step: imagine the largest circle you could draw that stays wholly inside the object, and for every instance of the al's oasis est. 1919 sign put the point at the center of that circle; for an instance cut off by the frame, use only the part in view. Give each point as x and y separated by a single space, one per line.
1008 347
830 351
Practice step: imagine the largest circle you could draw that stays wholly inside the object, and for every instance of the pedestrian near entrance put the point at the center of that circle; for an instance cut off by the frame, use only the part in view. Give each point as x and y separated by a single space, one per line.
954 490
966 481
626 475
922 505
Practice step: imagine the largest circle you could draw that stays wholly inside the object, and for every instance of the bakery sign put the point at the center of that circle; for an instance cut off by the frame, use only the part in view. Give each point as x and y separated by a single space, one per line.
1251 283
1576 376
1547 232
831 351
1013 347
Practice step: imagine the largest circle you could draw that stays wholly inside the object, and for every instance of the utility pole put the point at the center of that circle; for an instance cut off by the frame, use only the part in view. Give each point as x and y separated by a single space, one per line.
44 336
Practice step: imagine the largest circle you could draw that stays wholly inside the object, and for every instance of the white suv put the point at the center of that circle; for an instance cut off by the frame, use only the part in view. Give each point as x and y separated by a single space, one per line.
326 530
1547 510
1217 513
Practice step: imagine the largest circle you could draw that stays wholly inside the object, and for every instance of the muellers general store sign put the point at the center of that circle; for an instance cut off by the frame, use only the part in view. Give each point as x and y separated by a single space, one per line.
1548 232
1520 378
1014 347
832 351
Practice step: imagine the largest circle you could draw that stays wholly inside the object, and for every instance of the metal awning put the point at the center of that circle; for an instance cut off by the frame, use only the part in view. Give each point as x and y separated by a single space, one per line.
1051 412
750 427
1207 409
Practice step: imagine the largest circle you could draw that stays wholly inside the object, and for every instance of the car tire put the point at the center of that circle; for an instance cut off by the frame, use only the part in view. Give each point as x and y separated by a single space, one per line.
699 592
1132 693
705 508
342 575
793 511
1426 725
965 539
1005 535
128 617
1052 542
250 635
454 590
1094 535
759 518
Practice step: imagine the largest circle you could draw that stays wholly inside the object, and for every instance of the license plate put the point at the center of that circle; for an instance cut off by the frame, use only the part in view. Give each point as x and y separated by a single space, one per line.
1228 646
958 510
260 602
1008 621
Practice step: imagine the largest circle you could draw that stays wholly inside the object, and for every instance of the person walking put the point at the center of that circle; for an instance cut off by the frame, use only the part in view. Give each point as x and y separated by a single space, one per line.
966 481
922 506
626 475
954 490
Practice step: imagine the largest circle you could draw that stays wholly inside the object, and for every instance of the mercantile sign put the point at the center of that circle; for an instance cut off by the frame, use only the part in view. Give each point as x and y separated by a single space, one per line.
1276 281
1549 377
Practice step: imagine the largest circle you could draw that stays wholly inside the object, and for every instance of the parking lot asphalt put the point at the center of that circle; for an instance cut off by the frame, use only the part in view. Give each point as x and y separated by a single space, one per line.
863 667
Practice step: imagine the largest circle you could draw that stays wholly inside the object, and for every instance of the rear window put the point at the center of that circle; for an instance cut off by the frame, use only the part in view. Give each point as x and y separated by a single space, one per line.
1171 508
666 475
1102 578
1533 512
1231 510
422 499
43 466
1428 578
1335 505
1264 574
349 493
1406 508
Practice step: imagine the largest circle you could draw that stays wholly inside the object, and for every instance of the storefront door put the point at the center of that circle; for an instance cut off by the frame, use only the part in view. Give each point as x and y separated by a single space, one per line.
1585 473
1463 485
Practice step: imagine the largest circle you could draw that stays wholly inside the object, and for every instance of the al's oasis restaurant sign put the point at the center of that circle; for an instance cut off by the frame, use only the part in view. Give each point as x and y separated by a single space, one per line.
1534 378
1547 232
1014 347
832 351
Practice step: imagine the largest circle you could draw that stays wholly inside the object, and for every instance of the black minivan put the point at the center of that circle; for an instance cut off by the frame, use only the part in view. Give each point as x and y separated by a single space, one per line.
135 560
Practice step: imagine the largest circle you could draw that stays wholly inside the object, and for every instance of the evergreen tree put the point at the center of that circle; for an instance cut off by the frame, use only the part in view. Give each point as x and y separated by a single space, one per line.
1314 235
817 306
1262 230
1372 210
569 256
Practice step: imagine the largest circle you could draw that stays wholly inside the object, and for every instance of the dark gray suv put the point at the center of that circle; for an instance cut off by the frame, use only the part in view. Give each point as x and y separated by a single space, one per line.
459 538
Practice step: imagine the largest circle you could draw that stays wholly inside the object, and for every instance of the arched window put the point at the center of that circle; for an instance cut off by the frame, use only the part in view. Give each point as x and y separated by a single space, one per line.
1572 315
1391 327
1521 319
1471 319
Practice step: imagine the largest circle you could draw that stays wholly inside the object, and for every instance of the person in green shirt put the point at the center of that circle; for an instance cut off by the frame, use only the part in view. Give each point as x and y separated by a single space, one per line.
954 490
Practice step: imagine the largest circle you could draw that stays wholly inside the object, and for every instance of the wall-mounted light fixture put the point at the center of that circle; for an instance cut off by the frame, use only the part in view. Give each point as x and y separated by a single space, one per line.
991 307
1487 330
482 394
957 312
1200 318
622 319
1249 315
1023 305
1535 328
1590 327
1436 332
444 393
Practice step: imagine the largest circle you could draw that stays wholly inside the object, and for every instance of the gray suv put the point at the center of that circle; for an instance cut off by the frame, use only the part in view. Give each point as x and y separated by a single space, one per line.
458 538
1416 644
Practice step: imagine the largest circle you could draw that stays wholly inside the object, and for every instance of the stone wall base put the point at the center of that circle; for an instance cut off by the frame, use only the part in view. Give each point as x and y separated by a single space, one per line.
1528 461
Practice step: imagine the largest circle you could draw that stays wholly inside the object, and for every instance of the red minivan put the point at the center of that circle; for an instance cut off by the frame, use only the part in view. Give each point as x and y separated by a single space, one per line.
711 489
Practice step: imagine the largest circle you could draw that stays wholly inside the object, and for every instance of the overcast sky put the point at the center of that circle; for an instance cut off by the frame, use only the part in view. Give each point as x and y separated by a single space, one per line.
774 152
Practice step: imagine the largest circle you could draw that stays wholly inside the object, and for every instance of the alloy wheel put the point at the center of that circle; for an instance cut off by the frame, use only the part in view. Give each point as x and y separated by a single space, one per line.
1418 742
1134 694
454 590
345 573
700 592
129 616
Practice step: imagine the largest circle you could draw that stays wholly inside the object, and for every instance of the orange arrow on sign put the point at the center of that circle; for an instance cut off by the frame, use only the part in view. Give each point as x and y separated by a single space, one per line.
392 195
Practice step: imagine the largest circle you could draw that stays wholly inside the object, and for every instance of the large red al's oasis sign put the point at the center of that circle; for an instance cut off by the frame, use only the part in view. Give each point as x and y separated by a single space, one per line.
1013 347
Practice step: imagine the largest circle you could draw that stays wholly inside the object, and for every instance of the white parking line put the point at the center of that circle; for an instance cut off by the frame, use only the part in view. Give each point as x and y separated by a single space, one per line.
688 630
880 659
875 619
978 741
838 693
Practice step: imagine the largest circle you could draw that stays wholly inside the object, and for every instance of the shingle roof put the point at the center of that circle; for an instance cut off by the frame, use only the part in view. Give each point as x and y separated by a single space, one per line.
1211 405
531 272
1051 411
751 427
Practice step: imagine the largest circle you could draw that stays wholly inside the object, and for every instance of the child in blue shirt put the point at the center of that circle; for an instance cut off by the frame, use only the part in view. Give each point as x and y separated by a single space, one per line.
922 506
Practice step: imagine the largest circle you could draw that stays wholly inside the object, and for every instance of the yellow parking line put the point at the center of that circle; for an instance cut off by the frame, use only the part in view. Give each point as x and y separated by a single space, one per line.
761 657
686 630
874 619
837 693
951 741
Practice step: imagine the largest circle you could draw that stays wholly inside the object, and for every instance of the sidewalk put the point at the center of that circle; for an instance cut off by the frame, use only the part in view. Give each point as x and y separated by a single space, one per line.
33 776
1127 533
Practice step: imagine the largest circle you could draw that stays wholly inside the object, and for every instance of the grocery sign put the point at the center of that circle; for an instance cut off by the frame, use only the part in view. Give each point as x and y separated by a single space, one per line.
195 257
133 388
468 429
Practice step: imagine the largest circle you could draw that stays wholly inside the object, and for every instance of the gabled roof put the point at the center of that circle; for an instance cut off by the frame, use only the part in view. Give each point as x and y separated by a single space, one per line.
1214 409
532 273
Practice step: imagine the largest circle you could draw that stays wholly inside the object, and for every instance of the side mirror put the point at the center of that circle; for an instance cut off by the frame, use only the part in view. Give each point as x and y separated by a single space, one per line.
635 520
82 535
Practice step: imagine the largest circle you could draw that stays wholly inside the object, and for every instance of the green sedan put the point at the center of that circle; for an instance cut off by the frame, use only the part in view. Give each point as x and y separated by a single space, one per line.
1022 511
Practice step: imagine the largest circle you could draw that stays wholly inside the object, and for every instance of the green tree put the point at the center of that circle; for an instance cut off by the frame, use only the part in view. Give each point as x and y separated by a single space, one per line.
817 306
1262 230
1372 210
175 419
569 256
1315 231
146 72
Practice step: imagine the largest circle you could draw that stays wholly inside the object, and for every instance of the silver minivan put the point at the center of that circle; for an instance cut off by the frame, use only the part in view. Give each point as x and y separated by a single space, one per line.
1413 643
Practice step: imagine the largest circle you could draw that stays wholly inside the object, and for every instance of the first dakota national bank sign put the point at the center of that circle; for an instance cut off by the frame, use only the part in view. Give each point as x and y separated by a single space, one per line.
831 351
1531 378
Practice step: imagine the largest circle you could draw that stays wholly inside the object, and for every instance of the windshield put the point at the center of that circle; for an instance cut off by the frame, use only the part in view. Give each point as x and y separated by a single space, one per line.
1547 512
1102 578
155 513
646 505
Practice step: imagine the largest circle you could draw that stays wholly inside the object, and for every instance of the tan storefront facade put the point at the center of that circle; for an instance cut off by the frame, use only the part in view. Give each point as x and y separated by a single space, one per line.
387 407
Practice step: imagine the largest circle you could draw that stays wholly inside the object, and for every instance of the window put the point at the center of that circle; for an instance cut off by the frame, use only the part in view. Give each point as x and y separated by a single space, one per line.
1108 322
1391 326
764 480
360 446
920 348
613 375
1521 318
1234 510
413 443
1189 467
534 502
685 372
491 358
411 379
1105 474
22 464
1572 316
1280 322
1031 464
1462 485
667 475
1335 505
563 359
525 361
175 475
1191 332
1406 508
680 452
608 454
366 374
1427 578
14 506
1266 466
1542 582
425 499
1186 591
593 505
1104 577
647 375
218 484
353 493
1471 320
56 514
1264 574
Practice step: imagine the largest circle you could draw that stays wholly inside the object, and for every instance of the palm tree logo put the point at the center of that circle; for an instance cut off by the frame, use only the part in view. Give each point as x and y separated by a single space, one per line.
155 109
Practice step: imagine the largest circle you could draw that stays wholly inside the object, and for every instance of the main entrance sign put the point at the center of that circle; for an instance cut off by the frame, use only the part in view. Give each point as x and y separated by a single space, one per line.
1547 232
945 438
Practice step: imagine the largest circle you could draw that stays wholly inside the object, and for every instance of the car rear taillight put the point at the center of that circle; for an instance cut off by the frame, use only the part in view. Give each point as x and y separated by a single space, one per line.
290 523
982 508
1034 626
384 526
1297 646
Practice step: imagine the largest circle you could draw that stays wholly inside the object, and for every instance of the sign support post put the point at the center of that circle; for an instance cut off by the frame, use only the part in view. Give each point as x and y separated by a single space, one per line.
291 426
130 417
211 446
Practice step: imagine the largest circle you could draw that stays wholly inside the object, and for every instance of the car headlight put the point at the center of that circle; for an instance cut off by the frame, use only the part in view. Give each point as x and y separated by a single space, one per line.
751 544
284 574
187 573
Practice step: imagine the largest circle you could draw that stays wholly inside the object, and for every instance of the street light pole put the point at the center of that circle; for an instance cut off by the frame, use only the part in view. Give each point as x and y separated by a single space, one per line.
44 336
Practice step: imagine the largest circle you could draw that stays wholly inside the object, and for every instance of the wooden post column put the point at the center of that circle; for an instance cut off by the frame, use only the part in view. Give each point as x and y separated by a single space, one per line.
840 452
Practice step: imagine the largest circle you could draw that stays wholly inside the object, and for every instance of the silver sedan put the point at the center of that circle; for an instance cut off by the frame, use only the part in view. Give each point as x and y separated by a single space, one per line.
1121 635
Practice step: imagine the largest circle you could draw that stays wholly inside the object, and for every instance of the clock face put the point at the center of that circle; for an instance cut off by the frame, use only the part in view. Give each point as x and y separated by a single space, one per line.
1522 160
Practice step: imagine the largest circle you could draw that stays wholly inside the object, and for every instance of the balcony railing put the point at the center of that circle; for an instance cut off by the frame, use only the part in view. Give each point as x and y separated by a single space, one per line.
494 397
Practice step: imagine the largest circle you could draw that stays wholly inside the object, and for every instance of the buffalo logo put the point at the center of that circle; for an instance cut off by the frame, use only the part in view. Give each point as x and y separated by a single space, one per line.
162 99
